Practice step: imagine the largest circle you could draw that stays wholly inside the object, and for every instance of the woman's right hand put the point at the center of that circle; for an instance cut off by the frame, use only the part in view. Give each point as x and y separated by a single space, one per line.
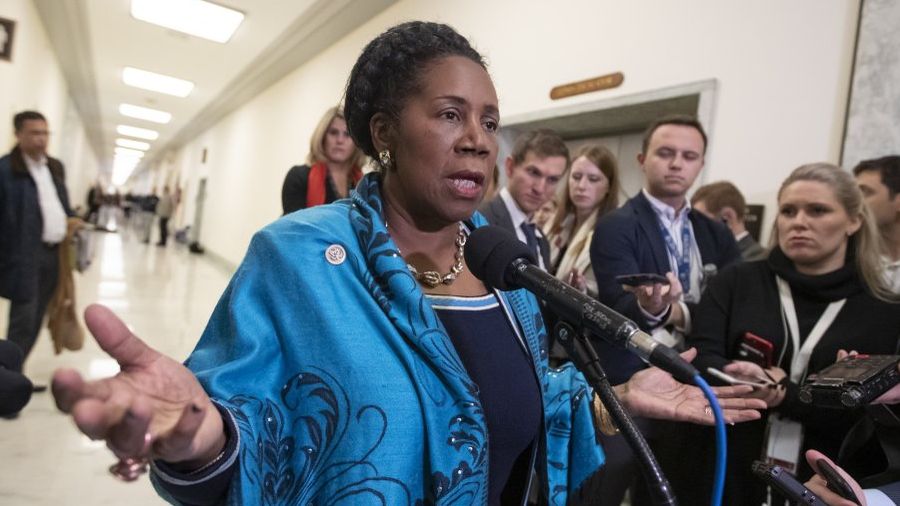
153 408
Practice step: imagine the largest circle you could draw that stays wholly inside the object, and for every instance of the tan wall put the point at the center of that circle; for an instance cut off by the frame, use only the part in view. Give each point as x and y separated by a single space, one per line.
782 70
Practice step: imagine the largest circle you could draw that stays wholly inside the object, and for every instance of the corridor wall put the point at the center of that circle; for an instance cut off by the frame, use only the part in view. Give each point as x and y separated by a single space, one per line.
782 72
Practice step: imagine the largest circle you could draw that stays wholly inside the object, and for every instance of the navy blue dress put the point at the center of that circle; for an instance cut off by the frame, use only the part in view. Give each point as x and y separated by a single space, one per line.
497 361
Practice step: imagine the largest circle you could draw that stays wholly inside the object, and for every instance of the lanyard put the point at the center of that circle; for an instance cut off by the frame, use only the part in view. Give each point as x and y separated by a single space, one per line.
683 261
800 358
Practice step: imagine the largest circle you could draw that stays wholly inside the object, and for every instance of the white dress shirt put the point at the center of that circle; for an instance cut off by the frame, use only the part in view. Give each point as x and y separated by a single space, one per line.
673 222
518 217
52 212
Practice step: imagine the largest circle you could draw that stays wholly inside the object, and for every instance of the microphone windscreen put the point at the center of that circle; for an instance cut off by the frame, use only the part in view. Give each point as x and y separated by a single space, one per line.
490 251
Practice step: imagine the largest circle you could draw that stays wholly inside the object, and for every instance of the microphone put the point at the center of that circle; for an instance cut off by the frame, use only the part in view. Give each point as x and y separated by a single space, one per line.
502 261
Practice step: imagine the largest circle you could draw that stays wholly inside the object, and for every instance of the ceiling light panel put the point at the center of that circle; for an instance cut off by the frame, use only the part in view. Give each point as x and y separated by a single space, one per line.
140 133
193 17
146 80
132 144
145 113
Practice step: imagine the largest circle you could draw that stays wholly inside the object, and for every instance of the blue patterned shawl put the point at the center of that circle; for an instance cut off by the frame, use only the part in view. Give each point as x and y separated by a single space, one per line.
344 384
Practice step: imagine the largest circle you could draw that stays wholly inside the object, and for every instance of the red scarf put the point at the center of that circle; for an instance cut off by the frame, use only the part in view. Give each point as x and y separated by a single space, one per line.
315 183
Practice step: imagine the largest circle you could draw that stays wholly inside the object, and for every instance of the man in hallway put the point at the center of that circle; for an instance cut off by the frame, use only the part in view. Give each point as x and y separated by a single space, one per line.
34 209
536 165
722 201
164 209
655 232
879 181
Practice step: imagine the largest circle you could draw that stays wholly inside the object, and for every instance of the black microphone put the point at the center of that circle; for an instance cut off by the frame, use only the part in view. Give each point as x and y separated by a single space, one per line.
502 261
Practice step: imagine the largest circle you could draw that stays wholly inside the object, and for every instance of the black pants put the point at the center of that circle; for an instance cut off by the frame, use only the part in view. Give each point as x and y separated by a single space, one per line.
163 230
27 316
15 389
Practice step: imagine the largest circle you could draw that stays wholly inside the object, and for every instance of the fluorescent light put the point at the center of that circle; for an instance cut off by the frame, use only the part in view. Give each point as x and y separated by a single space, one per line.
140 133
136 111
125 153
146 80
128 143
193 17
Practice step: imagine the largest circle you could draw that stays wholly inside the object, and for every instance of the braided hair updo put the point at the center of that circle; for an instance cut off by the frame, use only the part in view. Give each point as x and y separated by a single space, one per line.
389 70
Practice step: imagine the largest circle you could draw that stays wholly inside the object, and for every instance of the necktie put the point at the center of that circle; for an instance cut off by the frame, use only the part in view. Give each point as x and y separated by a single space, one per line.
531 239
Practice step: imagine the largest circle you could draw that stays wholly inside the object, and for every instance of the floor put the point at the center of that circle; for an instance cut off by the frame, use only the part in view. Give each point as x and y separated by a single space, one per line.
166 296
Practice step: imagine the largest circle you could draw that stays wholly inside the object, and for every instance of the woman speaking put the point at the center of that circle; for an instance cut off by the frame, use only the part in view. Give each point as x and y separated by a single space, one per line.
354 358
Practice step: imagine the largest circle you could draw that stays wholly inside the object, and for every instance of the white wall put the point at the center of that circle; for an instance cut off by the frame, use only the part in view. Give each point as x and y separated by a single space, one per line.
33 80
783 71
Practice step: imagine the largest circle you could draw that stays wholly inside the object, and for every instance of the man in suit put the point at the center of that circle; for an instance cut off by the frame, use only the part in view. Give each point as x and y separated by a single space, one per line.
724 202
879 181
657 232
536 165
34 212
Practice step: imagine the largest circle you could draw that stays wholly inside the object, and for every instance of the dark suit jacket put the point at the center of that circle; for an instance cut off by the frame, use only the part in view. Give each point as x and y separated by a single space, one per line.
496 213
628 241
21 224
293 190
751 250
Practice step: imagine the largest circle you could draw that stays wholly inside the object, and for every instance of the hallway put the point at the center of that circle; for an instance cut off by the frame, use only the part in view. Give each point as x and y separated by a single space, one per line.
166 296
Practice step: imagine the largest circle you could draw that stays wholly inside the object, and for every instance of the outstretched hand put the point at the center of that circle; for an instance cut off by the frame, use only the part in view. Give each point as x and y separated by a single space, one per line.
654 393
153 408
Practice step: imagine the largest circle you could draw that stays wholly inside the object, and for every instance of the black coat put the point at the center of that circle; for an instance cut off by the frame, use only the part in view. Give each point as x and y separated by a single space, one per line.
628 241
296 183
21 224
744 298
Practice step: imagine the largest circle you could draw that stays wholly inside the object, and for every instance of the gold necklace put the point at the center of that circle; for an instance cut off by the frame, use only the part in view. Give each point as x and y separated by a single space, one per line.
432 279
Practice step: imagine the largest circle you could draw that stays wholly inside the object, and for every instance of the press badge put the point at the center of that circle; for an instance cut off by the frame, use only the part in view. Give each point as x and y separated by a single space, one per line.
784 438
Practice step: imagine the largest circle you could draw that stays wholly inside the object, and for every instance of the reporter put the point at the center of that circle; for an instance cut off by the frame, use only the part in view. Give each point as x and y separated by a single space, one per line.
819 291
334 166
591 190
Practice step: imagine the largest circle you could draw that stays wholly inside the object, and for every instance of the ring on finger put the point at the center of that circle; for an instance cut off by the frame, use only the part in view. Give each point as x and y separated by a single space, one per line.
131 468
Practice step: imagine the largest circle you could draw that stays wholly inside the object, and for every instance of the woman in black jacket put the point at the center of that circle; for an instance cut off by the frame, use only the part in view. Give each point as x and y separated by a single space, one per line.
334 166
819 291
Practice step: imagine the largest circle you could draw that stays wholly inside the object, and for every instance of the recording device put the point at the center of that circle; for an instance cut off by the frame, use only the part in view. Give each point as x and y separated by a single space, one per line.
757 350
851 383
835 482
501 261
642 279
783 481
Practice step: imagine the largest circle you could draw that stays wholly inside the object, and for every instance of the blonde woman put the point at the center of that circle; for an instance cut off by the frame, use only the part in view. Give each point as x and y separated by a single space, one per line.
819 291
334 166
591 190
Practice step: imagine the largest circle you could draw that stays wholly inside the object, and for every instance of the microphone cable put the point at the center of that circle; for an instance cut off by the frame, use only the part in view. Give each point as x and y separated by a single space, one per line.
721 443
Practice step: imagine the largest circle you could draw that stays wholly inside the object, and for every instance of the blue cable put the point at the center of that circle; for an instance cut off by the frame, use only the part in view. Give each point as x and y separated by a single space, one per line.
721 449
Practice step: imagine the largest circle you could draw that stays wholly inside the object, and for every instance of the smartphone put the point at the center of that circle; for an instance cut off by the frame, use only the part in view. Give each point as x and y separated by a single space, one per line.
642 279
835 482
783 481
757 350
731 380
